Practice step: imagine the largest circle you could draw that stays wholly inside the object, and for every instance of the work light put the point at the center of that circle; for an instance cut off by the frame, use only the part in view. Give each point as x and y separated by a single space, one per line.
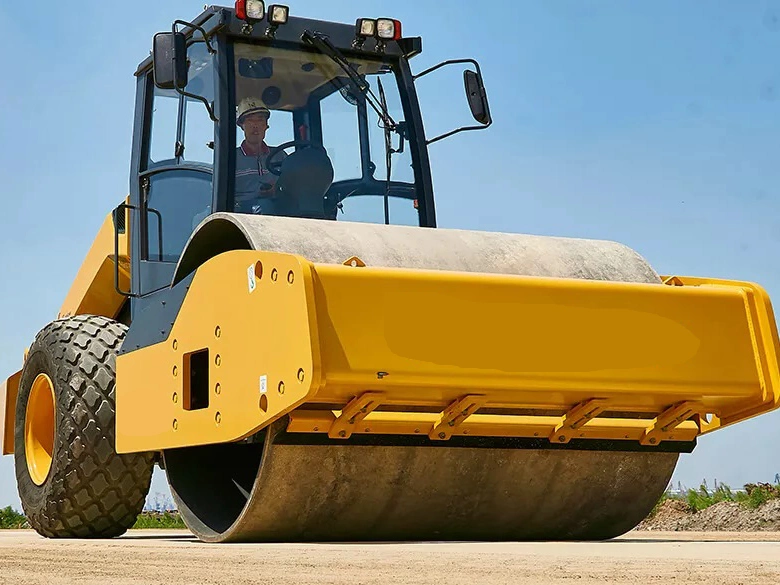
366 27
278 14
250 10
388 29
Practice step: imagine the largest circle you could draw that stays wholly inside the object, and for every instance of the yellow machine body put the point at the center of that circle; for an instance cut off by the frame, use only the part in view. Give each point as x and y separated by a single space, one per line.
348 350
261 369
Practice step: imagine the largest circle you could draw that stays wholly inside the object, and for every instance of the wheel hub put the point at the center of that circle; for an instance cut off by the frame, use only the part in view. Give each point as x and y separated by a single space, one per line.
39 429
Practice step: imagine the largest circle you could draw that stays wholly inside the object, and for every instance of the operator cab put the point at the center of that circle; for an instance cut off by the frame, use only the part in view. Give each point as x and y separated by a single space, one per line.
343 139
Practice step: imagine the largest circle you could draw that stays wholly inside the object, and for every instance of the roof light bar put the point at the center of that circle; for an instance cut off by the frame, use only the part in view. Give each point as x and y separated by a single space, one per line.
381 29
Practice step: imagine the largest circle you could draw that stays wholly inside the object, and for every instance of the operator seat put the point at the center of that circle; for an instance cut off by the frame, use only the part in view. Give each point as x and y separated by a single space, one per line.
305 177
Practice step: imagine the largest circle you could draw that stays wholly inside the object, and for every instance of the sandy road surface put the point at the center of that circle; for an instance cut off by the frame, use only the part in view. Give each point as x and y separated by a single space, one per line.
172 558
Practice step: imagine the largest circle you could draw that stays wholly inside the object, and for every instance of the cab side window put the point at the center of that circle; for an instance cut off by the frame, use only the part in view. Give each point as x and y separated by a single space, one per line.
198 128
163 135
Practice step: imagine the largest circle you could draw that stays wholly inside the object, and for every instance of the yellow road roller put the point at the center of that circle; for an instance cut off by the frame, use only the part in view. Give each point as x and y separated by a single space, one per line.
273 317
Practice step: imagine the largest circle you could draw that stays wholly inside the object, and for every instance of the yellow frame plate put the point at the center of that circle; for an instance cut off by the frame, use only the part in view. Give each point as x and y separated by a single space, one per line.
249 311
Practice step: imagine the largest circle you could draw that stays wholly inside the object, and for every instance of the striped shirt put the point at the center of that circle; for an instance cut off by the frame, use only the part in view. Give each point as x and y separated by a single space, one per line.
254 182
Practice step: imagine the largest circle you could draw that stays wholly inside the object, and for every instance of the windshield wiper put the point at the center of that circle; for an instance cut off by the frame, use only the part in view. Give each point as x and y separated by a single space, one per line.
324 46
388 154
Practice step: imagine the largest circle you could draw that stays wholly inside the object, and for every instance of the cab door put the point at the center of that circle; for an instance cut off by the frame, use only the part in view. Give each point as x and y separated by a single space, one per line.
175 180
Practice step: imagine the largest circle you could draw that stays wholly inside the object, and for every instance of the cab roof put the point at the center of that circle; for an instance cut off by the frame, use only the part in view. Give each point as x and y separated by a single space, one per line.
221 19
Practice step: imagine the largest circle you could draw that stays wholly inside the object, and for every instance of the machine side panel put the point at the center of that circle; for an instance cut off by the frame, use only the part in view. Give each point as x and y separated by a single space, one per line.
153 322
8 392
237 350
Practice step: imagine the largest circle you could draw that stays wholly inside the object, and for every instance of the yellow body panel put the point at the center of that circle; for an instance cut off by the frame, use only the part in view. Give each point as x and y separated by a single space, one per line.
8 392
450 345
92 291
548 342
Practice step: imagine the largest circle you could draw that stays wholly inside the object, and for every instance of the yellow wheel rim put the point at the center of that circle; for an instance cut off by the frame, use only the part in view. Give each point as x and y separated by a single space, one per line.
39 429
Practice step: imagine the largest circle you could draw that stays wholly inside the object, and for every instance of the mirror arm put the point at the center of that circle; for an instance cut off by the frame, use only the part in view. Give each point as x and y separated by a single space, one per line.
463 129
450 62
210 49
204 101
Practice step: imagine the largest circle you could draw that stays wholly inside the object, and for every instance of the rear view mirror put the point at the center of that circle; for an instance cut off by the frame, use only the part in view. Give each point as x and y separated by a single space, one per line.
169 54
475 92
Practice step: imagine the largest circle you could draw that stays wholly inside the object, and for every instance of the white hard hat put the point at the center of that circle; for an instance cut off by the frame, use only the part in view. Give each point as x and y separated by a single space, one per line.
251 105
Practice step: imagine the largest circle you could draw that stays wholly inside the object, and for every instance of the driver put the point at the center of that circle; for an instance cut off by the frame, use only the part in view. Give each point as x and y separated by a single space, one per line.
255 185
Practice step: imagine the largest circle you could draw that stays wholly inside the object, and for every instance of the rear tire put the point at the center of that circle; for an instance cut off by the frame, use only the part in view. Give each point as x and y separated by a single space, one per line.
86 490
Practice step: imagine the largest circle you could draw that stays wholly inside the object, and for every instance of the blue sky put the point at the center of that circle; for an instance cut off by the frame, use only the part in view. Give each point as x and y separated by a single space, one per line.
655 124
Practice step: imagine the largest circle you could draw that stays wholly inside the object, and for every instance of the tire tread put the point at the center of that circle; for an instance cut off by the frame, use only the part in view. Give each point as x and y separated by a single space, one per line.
93 492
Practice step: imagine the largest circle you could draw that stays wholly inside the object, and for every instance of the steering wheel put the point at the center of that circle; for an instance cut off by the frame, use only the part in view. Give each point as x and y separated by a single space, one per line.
275 167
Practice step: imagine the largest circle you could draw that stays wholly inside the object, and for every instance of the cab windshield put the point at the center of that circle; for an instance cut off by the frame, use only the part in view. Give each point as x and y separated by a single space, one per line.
308 143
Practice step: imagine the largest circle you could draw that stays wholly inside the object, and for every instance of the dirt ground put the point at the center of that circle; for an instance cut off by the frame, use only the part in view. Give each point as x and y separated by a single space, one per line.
172 558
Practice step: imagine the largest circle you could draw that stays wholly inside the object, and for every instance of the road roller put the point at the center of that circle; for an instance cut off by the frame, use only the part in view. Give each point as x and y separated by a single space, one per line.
273 317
